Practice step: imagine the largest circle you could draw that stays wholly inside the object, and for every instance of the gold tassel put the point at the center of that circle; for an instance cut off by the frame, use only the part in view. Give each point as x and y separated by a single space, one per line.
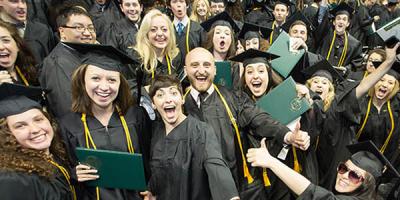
297 166
267 183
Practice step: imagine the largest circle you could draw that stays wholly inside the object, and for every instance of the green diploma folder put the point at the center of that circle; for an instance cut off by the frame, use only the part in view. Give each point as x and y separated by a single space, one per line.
282 102
115 169
224 74
287 60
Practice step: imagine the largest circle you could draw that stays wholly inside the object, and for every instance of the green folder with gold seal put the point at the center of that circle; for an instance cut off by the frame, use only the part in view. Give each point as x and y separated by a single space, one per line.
224 74
115 169
282 102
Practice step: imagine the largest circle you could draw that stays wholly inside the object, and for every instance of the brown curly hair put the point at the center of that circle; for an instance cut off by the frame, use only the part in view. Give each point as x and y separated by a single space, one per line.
14 157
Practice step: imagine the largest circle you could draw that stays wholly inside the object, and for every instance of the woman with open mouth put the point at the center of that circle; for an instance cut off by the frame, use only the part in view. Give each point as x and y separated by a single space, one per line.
103 116
33 159
16 60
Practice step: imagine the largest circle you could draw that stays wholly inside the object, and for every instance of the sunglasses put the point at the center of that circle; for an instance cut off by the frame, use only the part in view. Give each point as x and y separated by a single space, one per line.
353 176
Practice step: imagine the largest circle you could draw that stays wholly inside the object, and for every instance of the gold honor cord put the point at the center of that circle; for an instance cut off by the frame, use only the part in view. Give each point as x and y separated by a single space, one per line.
66 176
187 37
384 146
22 76
344 51
88 137
272 33
168 64
296 163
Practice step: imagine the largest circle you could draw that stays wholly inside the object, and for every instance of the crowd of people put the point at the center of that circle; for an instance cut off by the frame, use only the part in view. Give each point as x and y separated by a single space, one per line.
140 77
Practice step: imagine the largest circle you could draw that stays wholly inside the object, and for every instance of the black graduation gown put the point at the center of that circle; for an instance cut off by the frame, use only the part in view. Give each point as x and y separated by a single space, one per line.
275 32
103 18
121 34
308 59
359 24
187 163
40 39
197 37
337 132
56 75
248 117
314 192
37 10
112 138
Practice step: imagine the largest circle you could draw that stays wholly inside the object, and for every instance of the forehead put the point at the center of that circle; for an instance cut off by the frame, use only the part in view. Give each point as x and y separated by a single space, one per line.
252 40
169 88
4 32
200 56
280 6
320 78
217 3
389 77
79 19
298 27
222 28
10 2
24 115
256 66
342 16
130 1
375 56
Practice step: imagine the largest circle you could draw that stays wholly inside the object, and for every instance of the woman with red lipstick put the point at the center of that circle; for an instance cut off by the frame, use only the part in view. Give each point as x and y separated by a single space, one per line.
104 116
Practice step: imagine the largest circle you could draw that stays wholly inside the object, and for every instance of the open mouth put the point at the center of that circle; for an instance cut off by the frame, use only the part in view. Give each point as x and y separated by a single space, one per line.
39 138
103 94
21 12
318 91
256 84
4 55
222 44
382 92
201 79
170 110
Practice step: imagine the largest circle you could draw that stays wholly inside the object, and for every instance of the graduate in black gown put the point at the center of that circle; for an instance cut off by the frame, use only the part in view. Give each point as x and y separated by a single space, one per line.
104 12
254 36
104 116
189 34
155 48
122 33
230 114
281 13
356 177
186 160
38 37
374 56
33 158
18 64
56 70
335 44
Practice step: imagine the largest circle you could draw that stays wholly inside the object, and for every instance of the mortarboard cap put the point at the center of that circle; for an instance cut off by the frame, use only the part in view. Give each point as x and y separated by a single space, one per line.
17 99
104 56
342 8
325 69
298 16
250 31
252 56
367 156
221 19
284 2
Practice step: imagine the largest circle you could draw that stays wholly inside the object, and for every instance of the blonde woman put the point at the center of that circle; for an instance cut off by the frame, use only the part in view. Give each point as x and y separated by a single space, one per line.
156 47
200 10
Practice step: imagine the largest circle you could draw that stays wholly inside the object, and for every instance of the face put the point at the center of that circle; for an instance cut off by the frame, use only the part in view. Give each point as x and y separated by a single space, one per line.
346 180
320 85
222 39
217 8
256 78
341 22
200 69
178 7
159 33
8 49
299 31
280 12
101 2
132 9
168 102
15 9
88 35
31 129
384 86
374 57
253 43
201 9
101 86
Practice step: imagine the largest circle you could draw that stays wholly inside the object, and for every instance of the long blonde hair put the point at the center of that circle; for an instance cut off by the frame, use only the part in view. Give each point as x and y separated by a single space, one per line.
194 15
143 46
329 97
371 91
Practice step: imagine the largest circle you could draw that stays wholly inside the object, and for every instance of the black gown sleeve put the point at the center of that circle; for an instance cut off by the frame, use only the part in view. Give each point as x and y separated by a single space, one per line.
15 187
314 192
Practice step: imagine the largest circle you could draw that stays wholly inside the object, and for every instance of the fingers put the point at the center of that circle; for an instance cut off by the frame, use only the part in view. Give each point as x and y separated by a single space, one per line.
86 173
302 140
5 77
263 145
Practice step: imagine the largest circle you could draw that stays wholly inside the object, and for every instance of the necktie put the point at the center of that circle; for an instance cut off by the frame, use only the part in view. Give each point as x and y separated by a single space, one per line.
180 28
202 97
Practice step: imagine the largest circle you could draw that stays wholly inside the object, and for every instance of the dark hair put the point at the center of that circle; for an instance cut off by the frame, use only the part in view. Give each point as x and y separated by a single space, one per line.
163 81
273 80
169 2
381 52
297 22
366 191
209 45
25 60
81 102
65 13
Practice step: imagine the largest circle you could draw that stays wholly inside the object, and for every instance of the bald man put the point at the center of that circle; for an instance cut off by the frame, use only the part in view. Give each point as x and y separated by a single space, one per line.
205 102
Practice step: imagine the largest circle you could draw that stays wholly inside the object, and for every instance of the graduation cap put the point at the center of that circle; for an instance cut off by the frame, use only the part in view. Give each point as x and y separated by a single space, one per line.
104 56
325 69
221 19
252 56
284 2
17 99
342 8
366 156
298 16
250 31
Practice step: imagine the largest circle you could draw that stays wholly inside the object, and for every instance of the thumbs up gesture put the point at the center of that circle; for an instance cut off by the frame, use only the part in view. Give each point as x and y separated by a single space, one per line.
300 139
259 157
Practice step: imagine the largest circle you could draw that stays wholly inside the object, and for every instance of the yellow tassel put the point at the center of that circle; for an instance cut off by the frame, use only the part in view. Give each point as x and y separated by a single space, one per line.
297 166
247 173
267 183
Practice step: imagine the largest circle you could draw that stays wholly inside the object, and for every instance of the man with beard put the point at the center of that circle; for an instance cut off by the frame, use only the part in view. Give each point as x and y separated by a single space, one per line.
74 25
281 12
189 34
38 37
231 114
217 6
122 33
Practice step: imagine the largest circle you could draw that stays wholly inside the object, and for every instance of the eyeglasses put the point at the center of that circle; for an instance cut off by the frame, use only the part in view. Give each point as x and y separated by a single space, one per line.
353 176
82 29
